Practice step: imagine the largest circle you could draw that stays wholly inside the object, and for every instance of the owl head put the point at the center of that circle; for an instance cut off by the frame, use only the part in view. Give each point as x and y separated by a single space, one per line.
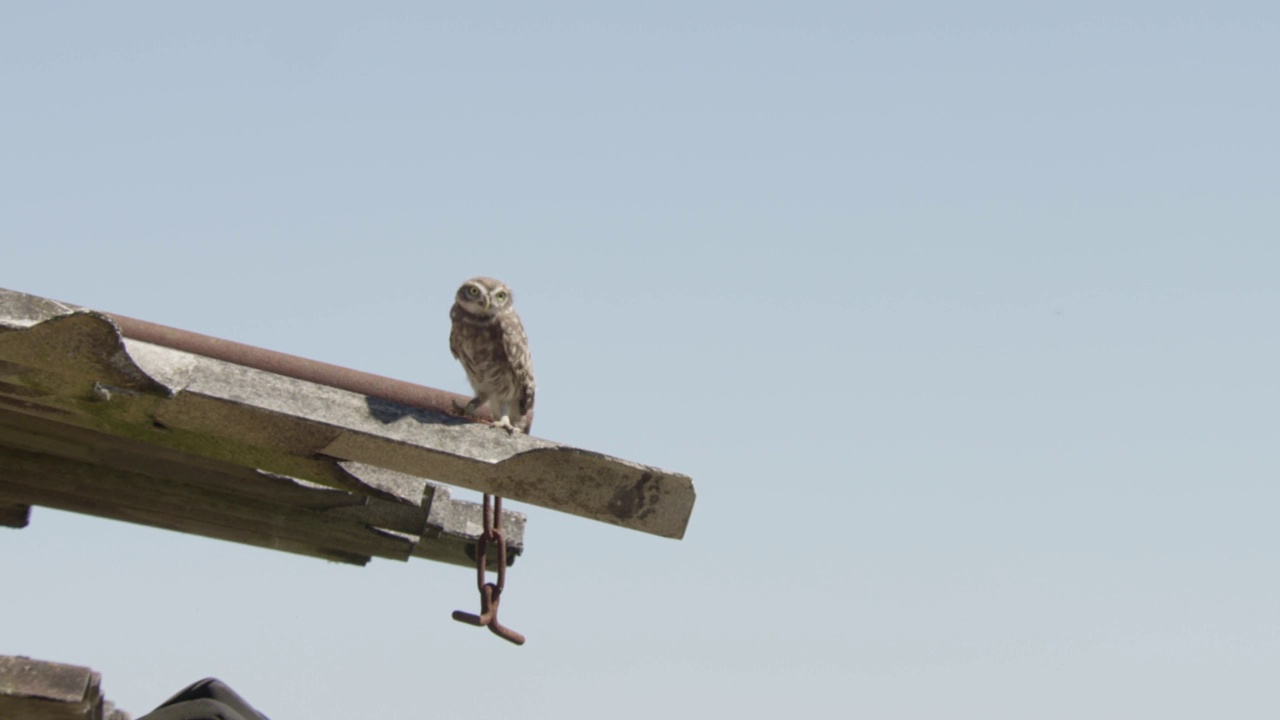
485 296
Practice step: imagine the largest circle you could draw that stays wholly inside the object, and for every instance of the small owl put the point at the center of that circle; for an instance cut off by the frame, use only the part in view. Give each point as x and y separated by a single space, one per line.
489 340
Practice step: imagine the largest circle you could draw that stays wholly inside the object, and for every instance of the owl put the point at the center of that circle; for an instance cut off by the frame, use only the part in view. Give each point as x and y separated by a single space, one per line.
489 341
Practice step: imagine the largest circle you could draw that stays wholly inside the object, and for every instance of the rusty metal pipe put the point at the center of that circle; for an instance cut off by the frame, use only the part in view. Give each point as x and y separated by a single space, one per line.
398 391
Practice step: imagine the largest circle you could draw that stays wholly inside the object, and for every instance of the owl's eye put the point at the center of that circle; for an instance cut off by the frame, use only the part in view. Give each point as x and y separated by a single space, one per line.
472 291
500 296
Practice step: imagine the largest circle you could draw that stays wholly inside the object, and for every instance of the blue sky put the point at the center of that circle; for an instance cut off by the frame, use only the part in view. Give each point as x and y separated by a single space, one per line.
962 318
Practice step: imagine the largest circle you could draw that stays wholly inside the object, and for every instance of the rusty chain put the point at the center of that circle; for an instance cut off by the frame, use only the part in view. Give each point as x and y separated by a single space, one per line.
491 592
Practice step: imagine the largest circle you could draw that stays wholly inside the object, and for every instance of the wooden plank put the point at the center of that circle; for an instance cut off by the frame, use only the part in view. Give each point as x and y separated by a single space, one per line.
107 492
179 475
70 502
41 435
399 513
38 690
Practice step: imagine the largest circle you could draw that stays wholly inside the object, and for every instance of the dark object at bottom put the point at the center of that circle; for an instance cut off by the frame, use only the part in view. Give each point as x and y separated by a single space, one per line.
208 699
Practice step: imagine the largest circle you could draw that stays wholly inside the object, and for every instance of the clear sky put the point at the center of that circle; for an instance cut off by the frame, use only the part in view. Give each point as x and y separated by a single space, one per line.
962 316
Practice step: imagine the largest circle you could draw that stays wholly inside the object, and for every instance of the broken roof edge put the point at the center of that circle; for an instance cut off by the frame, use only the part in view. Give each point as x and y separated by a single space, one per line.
73 469
364 418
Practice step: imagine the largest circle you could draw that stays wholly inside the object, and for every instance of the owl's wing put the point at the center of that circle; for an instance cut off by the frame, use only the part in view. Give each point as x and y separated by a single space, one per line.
516 345
455 339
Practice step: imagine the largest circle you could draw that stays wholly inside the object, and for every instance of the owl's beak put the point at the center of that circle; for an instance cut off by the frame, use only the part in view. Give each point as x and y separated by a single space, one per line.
486 304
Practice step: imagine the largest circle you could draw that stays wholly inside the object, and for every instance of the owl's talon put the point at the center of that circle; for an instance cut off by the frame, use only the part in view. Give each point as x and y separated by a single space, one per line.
505 424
